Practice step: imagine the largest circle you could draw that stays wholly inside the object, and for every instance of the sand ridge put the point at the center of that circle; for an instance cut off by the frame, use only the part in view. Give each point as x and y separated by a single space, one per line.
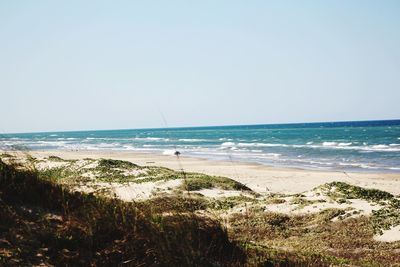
260 178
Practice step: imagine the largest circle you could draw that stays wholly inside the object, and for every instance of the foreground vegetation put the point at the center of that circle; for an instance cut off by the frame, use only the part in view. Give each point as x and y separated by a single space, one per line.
43 220
42 223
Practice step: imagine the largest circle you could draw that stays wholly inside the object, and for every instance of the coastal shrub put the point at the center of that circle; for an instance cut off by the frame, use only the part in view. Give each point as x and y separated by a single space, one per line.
195 181
108 164
6 155
310 240
275 200
118 171
55 158
230 202
329 214
197 184
57 174
354 192
180 204
384 219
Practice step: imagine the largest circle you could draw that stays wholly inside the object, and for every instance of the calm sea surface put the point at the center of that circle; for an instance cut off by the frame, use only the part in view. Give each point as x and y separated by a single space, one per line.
367 145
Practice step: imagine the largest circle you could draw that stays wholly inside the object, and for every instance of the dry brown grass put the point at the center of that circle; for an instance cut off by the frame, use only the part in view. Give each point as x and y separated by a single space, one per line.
43 223
315 238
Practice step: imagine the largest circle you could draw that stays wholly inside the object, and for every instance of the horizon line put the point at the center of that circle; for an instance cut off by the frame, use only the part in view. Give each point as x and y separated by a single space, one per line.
201 126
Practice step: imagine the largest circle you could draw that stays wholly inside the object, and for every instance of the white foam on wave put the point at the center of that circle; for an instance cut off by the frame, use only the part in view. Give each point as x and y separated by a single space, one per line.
129 147
151 139
225 139
345 144
329 143
307 161
382 148
324 145
49 143
274 155
261 145
364 148
379 146
358 165
192 140
103 138
112 145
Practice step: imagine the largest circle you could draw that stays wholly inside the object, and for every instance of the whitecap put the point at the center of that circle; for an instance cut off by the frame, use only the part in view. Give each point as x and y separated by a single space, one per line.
379 146
261 145
358 165
345 144
151 139
128 147
192 140
227 144
329 143
275 155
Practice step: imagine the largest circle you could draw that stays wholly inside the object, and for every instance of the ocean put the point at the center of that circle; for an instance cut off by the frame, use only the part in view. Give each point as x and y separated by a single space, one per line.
344 146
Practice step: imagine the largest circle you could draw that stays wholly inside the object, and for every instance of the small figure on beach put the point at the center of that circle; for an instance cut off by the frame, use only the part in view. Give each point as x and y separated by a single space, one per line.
177 153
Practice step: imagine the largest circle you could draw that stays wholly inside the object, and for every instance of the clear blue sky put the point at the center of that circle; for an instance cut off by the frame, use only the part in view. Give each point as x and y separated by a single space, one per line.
75 65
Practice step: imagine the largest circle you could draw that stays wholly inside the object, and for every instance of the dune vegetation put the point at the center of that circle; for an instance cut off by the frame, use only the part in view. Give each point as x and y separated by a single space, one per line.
46 218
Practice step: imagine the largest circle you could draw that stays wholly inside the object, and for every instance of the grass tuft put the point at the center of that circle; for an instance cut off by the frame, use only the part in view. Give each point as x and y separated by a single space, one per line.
197 181
347 191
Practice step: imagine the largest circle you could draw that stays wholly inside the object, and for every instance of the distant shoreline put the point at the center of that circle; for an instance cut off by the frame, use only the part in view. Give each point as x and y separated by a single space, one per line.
366 146
235 161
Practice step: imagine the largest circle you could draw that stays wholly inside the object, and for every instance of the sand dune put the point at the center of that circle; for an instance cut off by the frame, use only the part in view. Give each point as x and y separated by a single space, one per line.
259 178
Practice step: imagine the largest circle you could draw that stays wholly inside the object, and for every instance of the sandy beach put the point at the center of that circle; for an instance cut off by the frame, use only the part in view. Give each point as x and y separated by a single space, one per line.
260 178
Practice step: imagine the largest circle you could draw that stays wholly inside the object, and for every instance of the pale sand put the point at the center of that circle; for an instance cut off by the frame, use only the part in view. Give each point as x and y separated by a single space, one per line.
362 207
217 193
260 178
391 235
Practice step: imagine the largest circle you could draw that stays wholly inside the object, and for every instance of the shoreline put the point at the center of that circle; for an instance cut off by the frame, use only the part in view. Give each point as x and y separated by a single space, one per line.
259 177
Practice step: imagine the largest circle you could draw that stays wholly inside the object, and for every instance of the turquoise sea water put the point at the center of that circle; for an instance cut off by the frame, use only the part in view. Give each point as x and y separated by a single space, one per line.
367 145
